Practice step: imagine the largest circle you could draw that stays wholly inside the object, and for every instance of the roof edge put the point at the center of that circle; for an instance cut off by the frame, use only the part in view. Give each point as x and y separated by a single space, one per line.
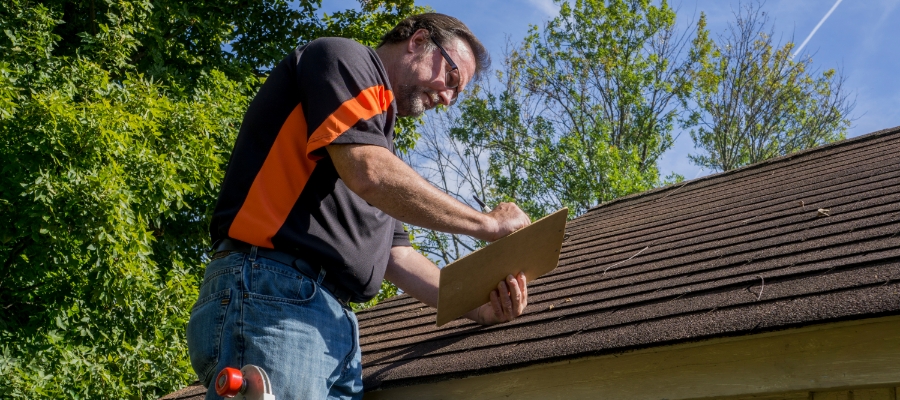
825 147
429 379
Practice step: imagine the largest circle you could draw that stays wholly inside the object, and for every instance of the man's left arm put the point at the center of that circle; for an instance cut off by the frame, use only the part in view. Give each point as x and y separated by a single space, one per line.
416 275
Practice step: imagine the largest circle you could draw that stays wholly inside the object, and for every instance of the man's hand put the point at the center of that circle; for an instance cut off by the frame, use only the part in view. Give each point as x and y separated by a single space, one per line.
509 218
419 277
507 302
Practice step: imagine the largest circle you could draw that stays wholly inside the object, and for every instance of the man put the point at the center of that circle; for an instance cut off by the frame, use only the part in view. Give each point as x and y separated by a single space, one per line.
309 216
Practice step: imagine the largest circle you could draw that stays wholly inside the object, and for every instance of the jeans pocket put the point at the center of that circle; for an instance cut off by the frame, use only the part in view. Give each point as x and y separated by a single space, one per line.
204 333
274 281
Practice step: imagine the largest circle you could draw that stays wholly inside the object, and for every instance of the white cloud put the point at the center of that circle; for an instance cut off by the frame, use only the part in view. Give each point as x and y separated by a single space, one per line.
887 16
548 7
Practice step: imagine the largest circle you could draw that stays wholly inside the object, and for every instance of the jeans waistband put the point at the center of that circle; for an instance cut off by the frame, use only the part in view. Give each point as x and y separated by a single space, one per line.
342 295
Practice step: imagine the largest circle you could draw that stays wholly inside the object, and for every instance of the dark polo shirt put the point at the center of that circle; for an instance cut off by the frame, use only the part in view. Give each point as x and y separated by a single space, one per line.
281 190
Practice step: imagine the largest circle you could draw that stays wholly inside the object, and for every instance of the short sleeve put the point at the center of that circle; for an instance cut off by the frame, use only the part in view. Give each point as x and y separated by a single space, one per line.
401 236
347 97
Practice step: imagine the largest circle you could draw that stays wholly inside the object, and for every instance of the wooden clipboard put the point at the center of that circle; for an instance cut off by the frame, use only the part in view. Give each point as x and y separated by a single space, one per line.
467 283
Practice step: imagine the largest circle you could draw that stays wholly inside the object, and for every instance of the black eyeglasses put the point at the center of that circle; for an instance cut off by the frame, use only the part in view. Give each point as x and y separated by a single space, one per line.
452 80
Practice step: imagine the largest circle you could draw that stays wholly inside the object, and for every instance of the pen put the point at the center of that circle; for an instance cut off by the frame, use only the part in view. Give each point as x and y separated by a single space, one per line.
484 207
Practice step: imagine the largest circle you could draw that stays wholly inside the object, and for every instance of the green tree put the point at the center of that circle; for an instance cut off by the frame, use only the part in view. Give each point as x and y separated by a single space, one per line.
116 121
588 105
612 75
755 102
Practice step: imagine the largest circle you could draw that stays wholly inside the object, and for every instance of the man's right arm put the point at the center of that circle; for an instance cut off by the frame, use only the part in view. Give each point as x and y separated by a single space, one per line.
386 182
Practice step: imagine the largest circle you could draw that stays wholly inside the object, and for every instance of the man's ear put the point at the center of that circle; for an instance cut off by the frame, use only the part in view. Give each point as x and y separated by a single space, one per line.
418 40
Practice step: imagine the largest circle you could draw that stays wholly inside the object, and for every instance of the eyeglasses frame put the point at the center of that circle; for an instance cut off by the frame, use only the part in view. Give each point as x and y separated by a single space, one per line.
452 68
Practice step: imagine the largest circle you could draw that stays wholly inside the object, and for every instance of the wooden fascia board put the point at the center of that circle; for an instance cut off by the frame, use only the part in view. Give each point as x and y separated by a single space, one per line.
845 354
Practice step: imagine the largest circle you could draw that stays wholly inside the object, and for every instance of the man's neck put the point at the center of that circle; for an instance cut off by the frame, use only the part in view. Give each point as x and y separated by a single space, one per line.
390 57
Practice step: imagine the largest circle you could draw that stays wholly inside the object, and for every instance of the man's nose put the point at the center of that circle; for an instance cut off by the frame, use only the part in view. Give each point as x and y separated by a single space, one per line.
446 96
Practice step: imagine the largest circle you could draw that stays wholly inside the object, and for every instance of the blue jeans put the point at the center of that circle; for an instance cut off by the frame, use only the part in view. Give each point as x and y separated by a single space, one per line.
253 310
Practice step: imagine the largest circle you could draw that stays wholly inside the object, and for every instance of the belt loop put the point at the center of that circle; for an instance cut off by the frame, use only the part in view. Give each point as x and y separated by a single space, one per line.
212 250
321 276
253 251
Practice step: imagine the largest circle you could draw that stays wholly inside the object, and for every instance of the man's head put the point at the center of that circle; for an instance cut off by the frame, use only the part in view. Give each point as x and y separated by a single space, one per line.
420 54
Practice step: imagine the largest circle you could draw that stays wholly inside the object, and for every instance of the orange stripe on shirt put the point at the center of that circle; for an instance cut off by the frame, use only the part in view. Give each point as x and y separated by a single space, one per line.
369 103
277 186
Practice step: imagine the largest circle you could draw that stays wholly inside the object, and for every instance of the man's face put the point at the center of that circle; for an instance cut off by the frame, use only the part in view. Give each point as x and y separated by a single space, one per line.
425 83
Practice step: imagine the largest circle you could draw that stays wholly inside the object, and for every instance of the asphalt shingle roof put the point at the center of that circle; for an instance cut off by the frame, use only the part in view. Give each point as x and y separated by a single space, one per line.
735 253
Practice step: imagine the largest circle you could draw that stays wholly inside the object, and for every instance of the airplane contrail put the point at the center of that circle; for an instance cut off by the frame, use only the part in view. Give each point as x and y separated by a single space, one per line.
816 28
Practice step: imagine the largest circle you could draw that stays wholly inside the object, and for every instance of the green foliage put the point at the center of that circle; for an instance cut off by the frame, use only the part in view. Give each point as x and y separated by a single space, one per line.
754 102
587 106
116 120
177 40
105 188
374 19
387 291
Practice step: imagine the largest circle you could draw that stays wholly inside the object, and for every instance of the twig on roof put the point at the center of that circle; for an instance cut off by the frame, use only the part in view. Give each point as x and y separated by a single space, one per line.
679 188
620 262
761 287
582 329
756 326
673 191
567 300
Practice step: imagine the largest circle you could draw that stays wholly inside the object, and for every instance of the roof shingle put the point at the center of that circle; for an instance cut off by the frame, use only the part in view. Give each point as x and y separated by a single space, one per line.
735 253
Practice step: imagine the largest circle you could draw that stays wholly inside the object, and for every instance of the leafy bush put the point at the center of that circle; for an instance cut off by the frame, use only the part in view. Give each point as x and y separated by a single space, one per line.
117 118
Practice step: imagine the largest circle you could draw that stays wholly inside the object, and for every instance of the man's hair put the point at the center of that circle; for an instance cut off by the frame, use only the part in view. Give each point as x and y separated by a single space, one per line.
442 28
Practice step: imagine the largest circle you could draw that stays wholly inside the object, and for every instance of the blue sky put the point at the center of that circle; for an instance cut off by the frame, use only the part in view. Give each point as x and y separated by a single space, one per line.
856 38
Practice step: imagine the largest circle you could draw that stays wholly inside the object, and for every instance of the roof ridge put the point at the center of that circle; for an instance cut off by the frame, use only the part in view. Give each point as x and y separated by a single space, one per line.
845 142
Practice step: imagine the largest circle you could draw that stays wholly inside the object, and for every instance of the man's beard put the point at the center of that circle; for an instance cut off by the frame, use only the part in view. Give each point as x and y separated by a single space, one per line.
409 100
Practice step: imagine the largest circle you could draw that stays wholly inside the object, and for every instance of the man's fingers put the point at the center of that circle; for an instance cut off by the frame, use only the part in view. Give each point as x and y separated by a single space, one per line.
505 301
495 304
524 288
515 294
510 218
